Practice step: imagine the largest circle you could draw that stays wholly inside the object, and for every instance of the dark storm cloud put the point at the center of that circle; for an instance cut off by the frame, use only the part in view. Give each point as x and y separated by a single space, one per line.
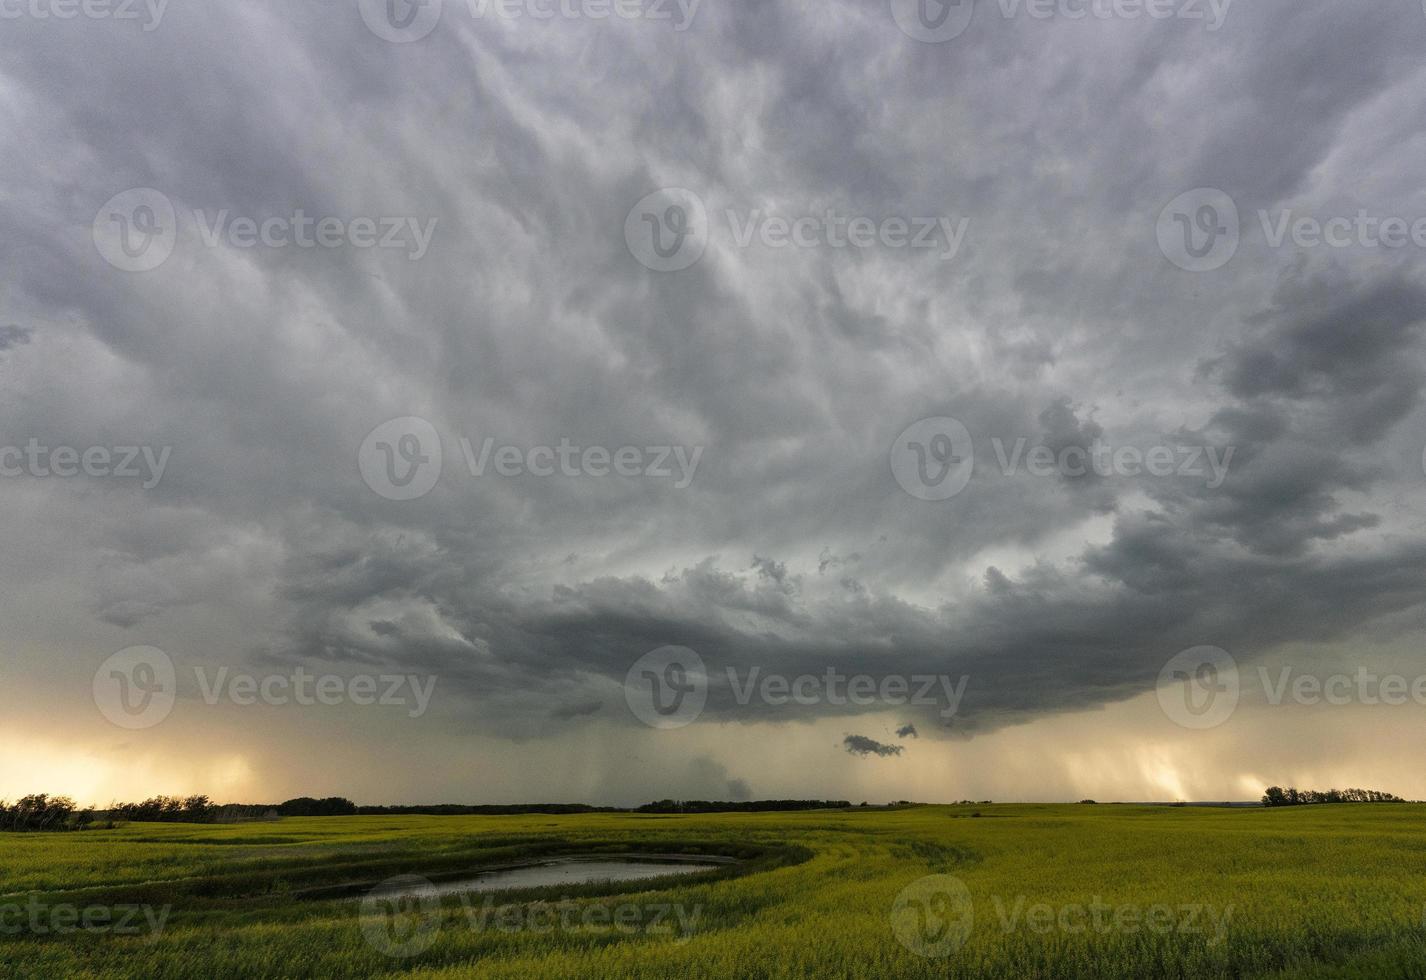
582 709
13 335
828 560
1322 377
769 569
794 369
1354 346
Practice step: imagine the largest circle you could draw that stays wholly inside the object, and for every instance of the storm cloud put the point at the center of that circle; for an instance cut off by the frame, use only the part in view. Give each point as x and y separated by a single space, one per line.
633 457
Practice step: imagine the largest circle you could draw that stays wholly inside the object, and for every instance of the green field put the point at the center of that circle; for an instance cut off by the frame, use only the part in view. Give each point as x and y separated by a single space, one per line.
1054 891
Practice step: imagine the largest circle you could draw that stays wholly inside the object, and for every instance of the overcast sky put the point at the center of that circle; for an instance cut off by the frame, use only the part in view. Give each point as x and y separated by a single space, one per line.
997 353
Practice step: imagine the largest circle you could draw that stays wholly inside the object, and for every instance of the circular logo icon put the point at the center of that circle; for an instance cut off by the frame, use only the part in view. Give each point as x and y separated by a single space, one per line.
933 917
401 21
667 688
136 231
401 459
401 917
1199 231
933 21
668 230
933 459
1199 688
136 688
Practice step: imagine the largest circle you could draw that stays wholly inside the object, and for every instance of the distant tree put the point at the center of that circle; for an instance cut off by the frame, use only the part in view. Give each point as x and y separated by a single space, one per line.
167 809
487 809
41 812
749 806
1277 796
306 806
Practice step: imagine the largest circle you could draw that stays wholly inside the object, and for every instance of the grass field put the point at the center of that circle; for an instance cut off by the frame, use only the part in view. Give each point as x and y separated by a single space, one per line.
1018 891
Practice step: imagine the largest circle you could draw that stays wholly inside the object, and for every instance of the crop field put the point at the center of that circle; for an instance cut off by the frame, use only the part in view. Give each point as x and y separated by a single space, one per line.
989 891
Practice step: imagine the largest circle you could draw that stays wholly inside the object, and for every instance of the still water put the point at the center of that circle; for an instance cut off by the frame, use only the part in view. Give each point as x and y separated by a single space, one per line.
564 872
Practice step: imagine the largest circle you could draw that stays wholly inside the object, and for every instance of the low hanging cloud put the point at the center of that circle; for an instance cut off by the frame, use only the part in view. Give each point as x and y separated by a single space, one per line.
863 746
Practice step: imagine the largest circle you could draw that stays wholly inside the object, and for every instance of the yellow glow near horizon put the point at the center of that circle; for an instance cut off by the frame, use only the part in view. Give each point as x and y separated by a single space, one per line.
32 765
1124 751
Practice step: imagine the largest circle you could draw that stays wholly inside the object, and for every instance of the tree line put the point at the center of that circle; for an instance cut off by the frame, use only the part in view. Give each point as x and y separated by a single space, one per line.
336 806
41 812
754 806
1292 796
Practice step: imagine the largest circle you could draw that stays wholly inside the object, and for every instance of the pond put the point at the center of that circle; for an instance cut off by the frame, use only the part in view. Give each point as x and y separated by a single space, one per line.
565 871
